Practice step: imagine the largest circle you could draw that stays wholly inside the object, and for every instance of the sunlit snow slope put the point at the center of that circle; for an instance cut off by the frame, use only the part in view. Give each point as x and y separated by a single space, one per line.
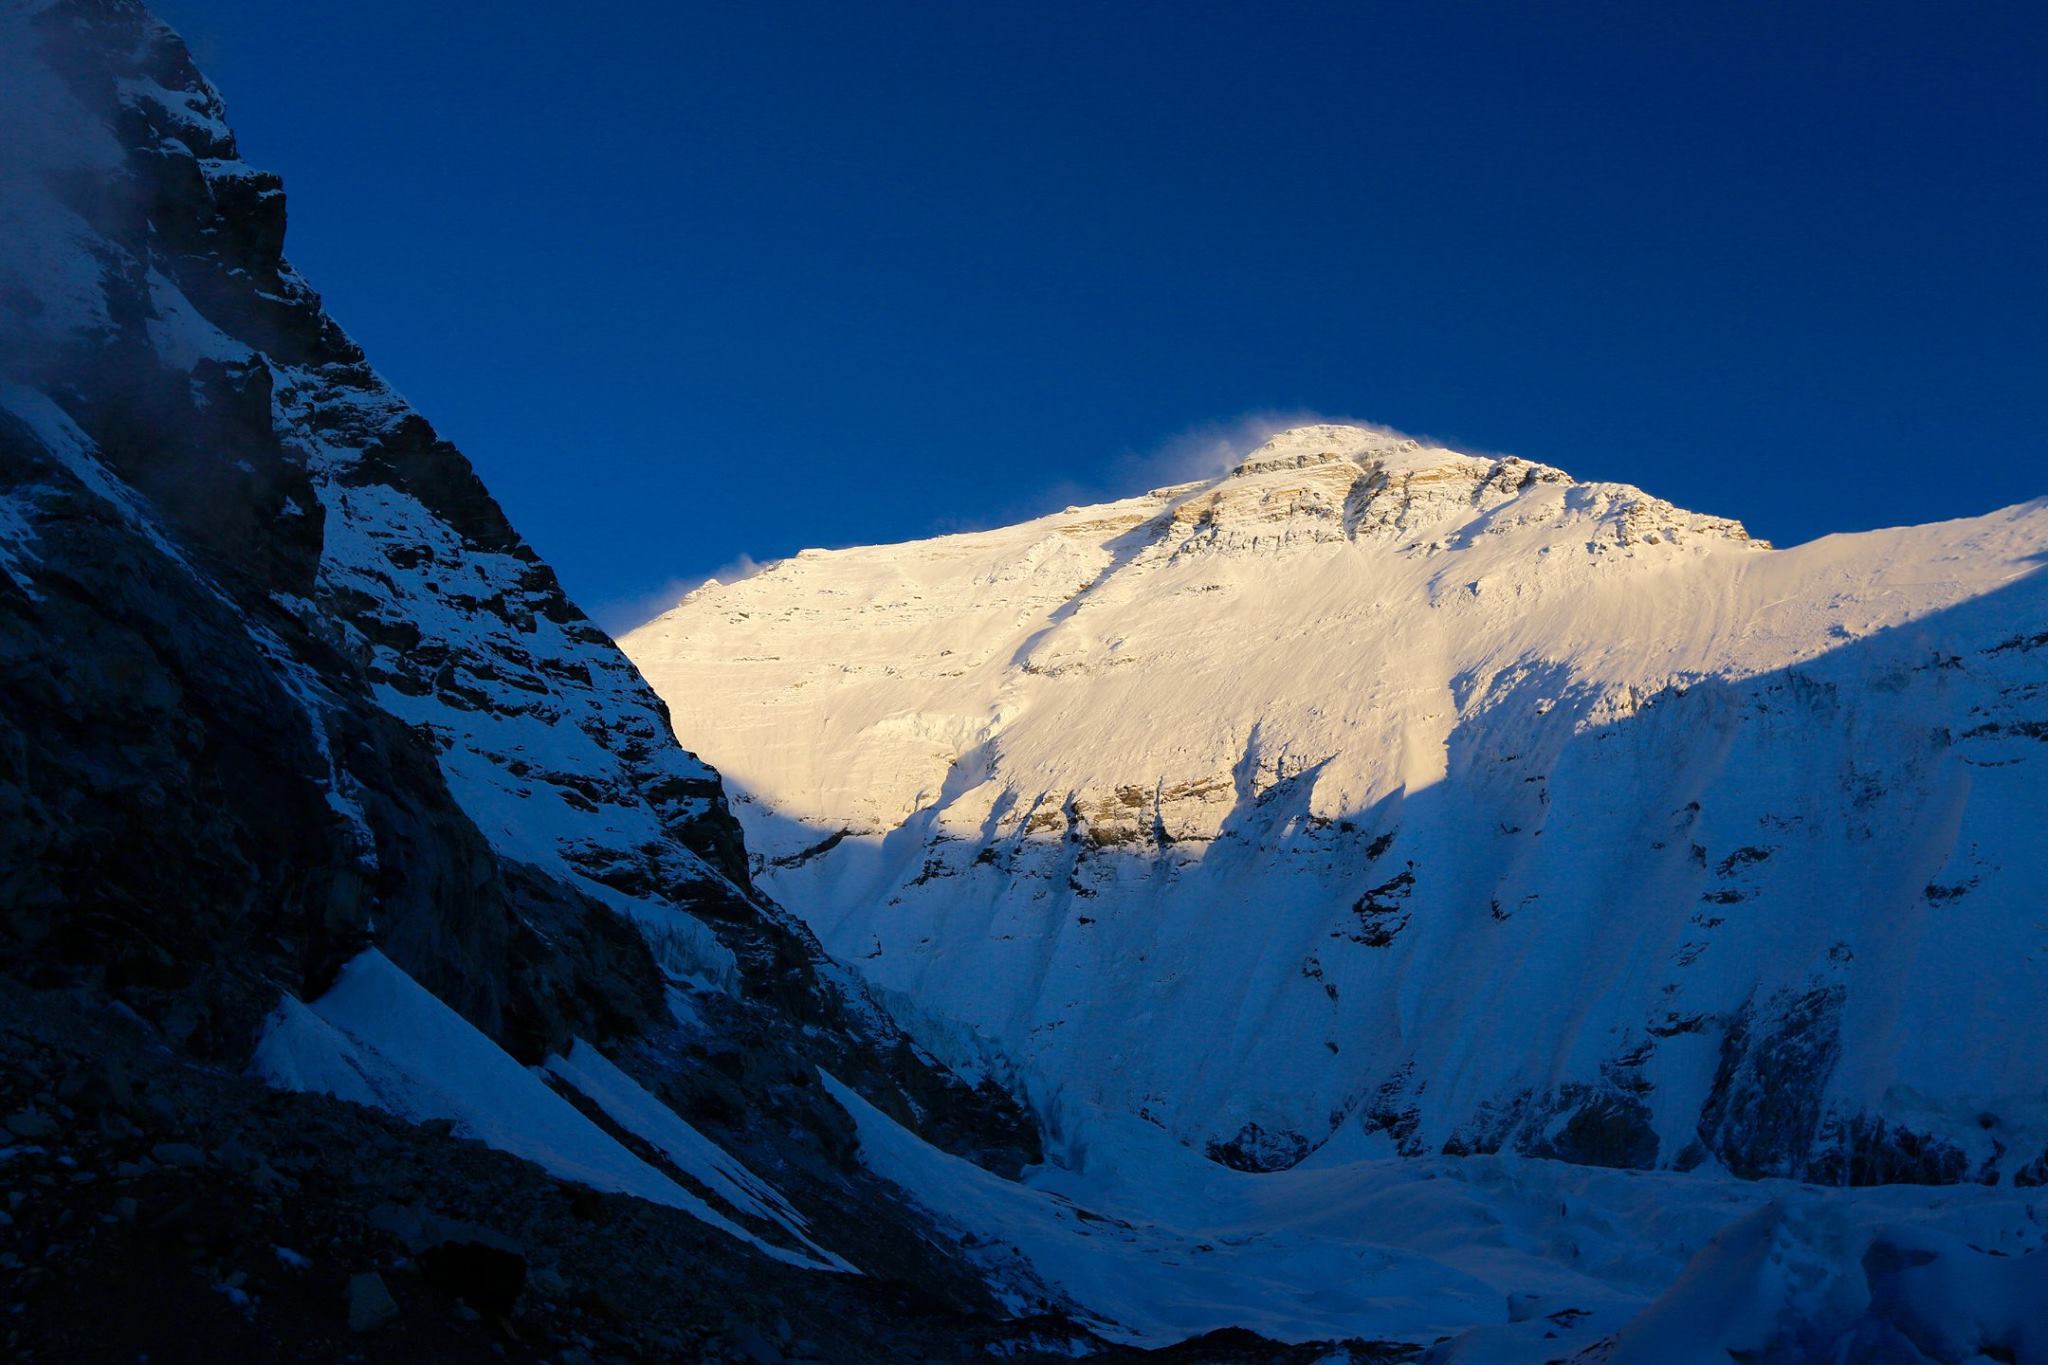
1387 797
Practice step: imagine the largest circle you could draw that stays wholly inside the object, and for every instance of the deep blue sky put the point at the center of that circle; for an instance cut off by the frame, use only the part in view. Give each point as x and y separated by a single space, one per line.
691 282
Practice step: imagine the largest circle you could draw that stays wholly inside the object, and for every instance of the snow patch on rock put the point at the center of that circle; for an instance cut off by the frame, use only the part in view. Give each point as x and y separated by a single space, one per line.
378 1038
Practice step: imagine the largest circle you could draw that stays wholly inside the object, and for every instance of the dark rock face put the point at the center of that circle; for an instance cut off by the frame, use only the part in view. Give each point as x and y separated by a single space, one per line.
1586 1124
487 1278
1257 1149
1602 1128
159 824
1869 1151
1765 1104
278 679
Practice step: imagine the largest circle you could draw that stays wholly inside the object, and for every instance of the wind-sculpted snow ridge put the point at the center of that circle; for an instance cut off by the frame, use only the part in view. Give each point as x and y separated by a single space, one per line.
1376 798
280 682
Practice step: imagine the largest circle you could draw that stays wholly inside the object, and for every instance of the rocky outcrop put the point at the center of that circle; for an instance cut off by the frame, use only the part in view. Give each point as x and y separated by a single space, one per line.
1325 484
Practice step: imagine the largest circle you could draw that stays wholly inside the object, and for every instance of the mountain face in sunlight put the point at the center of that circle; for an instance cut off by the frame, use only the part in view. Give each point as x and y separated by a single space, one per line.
1451 804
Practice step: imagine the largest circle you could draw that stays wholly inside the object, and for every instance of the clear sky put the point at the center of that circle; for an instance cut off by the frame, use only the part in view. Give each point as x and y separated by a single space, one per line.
695 282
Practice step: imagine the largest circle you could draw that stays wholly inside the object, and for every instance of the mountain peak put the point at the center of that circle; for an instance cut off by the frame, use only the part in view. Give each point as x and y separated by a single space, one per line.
1329 482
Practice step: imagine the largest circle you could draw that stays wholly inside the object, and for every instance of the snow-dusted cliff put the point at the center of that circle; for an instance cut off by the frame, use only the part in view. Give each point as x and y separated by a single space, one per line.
300 741
1387 798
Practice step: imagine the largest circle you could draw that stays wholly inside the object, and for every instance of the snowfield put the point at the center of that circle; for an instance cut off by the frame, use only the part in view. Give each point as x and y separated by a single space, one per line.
1494 1258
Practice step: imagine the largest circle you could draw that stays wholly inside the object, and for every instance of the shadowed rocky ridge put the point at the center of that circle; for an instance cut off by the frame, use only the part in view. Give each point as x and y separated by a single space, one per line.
280 683
282 680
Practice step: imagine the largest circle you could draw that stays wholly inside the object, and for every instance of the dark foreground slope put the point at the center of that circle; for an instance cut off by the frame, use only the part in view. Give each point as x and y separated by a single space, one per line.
175 1212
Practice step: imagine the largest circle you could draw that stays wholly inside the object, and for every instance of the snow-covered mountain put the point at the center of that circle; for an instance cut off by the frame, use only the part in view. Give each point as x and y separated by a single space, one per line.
1379 798
380 978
